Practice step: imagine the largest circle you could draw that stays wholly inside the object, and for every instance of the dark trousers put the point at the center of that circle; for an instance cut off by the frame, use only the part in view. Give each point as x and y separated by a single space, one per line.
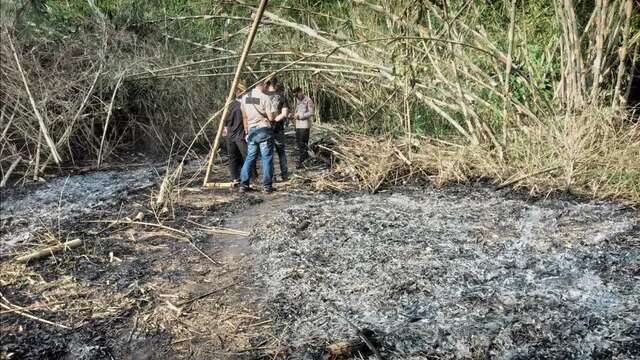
279 140
237 149
302 140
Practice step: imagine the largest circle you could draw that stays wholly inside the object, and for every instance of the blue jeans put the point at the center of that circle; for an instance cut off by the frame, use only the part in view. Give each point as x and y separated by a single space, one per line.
259 139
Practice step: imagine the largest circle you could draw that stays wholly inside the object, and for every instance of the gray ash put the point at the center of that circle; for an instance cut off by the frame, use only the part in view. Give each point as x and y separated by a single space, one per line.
455 274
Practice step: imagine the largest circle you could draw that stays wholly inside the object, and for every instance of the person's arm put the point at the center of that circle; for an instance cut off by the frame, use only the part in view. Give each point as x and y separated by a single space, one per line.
283 114
269 110
309 111
245 122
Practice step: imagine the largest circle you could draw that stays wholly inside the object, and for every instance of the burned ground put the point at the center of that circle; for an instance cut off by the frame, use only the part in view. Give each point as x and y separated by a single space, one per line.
131 291
455 273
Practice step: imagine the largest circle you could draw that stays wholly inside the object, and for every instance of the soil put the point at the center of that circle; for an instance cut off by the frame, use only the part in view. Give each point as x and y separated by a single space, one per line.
463 271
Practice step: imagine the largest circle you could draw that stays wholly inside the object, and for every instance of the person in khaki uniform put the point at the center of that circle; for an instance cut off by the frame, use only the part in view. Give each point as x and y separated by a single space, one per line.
258 114
302 117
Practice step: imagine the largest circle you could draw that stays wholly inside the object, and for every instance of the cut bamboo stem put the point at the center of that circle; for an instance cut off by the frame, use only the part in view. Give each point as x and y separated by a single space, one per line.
234 84
49 251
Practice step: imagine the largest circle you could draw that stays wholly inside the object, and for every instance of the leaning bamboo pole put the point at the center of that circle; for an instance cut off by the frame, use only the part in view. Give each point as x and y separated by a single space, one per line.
234 84
43 126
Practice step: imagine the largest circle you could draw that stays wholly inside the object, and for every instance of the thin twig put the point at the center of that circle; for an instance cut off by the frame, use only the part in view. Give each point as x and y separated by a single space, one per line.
14 309
202 296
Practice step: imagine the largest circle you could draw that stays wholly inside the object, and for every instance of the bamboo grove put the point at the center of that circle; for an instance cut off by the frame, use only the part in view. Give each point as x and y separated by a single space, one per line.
538 94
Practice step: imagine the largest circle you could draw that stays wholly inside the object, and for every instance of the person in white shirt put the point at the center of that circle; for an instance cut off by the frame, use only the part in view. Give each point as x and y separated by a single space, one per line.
304 112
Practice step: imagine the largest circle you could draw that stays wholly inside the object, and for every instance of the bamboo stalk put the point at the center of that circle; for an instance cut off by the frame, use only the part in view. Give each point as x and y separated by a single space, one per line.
507 73
106 123
12 167
49 251
600 10
631 74
69 130
267 71
36 167
234 84
43 127
617 101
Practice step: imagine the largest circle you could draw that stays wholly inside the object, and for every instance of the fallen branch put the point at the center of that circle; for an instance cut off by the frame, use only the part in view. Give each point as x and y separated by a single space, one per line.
186 236
203 253
32 317
518 179
49 251
202 296
220 230
129 222
363 334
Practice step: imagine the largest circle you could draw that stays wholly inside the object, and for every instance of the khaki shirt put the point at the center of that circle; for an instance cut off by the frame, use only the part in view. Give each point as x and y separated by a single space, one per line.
257 105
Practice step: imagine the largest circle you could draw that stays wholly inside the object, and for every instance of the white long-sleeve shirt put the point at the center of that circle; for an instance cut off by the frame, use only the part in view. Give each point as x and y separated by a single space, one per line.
304 110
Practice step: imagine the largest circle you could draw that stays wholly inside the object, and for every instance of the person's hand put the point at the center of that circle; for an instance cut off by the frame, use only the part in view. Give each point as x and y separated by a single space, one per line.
225 132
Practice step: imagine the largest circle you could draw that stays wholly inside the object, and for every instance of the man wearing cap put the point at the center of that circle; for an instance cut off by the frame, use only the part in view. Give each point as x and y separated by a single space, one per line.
258 114
234 134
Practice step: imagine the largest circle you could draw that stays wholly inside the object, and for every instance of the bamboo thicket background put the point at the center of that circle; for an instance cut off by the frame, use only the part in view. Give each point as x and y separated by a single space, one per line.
536 93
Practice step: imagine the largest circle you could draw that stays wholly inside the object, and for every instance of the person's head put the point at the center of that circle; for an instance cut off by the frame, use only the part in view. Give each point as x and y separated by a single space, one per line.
298 93
240 89
272 84
263 85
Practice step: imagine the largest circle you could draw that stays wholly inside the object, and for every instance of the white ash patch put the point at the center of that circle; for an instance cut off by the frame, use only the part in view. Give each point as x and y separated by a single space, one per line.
447 274
66 199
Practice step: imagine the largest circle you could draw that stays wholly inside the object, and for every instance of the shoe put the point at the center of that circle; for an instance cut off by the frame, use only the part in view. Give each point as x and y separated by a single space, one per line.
285 178
244 188
268 189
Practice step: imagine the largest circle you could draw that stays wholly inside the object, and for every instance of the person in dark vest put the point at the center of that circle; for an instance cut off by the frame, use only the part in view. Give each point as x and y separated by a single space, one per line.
279 102
258 115
235 136
304 112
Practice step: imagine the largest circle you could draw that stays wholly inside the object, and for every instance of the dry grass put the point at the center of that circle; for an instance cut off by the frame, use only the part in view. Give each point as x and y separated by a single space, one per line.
594 154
